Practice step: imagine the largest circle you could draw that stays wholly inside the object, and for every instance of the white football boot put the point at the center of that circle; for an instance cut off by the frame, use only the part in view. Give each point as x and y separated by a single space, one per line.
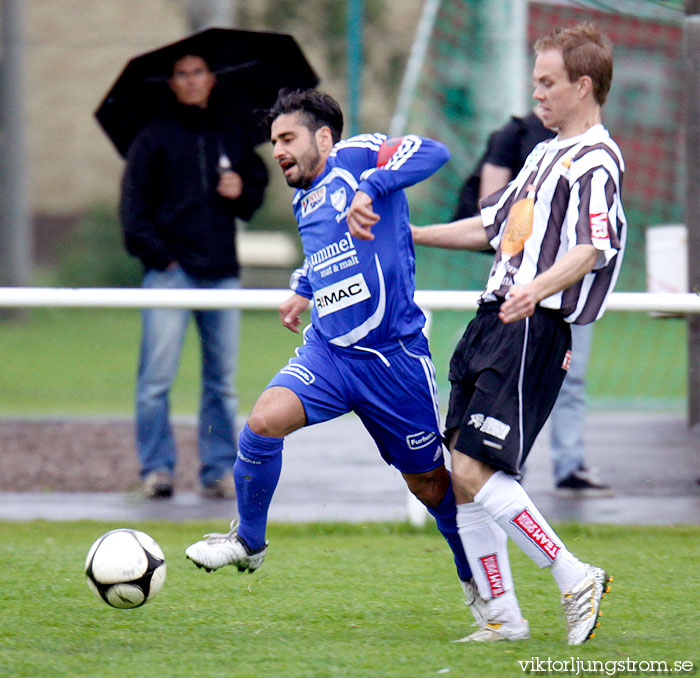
582 604
494 624
219 549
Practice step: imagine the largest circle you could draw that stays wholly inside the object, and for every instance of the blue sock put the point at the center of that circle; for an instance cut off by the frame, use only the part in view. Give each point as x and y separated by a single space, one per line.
256 473
445 515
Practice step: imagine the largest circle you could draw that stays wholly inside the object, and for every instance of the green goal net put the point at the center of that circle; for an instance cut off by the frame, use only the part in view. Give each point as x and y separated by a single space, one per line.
465 91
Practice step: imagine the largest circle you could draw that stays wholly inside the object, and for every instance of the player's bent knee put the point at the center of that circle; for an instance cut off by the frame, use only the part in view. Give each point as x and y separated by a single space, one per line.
277 412
468 475
430 487
255 448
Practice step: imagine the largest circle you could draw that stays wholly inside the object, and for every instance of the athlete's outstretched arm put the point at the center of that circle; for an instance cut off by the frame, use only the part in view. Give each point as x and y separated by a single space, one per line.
464 234
395 164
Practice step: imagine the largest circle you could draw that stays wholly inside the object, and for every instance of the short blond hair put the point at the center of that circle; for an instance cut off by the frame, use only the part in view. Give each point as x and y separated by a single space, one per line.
585 51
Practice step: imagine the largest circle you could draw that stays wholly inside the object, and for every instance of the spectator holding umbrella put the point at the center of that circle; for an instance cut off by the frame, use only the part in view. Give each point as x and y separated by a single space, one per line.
185 118
188 177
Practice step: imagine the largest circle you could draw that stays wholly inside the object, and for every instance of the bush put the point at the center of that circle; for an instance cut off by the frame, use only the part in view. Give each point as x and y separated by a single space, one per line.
93 254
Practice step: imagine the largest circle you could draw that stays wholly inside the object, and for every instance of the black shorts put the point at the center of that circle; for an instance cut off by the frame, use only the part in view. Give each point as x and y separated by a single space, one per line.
505 379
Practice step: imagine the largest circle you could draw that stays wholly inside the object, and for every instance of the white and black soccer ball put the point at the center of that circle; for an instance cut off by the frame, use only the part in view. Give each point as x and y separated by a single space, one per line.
125 568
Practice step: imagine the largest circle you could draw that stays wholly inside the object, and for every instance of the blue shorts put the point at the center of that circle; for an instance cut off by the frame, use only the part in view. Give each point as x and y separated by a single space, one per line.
393 392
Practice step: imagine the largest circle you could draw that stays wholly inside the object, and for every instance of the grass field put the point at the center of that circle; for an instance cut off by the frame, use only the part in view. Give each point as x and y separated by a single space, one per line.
80 361
356 601
67 361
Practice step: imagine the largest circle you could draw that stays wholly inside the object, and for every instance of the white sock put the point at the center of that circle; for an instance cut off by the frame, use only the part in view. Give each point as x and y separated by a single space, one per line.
486 546
505 499
567 570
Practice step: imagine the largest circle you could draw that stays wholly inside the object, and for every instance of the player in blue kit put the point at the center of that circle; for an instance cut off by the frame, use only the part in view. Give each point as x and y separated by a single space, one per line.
364 350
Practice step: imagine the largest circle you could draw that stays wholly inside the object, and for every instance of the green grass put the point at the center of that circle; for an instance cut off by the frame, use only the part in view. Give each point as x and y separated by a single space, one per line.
83 361
357 601
636 360
68 361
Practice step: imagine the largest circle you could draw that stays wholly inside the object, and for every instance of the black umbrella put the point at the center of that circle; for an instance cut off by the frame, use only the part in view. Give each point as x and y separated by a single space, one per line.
250 67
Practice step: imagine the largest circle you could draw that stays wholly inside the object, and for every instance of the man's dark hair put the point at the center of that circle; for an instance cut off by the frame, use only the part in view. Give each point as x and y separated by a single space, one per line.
316 110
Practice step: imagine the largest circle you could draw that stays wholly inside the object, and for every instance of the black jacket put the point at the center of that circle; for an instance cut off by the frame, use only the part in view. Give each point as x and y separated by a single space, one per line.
170 210
506 147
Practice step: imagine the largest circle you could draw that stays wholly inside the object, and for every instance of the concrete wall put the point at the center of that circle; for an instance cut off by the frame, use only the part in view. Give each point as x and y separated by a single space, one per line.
77 48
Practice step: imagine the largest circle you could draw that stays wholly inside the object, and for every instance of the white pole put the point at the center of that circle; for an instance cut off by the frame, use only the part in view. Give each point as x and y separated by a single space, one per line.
413 67
15 216
203 14
428 300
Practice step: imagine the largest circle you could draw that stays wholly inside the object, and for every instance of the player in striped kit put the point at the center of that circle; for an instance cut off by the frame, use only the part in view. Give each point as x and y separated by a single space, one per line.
364 350
559 231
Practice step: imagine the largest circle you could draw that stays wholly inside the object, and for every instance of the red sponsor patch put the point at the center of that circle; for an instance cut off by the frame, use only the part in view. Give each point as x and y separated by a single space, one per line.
386 150
567 361
599 226
536 534
493 574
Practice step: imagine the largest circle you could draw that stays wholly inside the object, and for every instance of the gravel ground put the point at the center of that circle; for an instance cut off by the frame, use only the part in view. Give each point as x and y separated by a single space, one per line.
82 456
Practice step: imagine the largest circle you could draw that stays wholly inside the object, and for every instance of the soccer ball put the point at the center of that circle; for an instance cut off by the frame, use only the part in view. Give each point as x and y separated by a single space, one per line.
125 568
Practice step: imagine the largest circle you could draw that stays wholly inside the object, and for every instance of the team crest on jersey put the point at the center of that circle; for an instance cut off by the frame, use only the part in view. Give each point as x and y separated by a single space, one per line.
565 168
339 198
313 201
536 155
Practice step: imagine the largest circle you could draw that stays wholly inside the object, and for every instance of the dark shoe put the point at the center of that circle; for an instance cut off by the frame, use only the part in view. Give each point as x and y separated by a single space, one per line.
223 488
158 485
583 483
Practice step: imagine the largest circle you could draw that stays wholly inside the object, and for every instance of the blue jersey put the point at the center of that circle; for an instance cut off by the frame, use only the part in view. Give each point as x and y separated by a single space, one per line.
362 290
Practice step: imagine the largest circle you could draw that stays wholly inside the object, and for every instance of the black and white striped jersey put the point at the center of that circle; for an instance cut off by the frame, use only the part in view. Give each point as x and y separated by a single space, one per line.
568 193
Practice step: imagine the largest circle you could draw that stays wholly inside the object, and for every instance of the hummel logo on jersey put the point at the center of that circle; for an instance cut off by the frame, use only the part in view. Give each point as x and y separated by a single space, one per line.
476 420
340 249
300 372
313 201
493 574
340 295
418 440
599 226
539 537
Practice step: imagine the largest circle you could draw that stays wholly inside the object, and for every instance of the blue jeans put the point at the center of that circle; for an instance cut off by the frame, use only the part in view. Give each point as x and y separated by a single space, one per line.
569 413
161 344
